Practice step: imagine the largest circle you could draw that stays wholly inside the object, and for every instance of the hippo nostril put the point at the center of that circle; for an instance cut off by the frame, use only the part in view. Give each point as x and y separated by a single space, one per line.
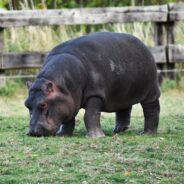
28 133
31 133
38 131
35 133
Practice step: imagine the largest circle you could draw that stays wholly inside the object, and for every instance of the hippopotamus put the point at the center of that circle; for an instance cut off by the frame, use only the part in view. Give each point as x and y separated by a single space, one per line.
99 72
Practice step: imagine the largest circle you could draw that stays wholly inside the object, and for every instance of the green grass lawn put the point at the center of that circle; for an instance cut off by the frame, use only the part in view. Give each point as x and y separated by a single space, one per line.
127 158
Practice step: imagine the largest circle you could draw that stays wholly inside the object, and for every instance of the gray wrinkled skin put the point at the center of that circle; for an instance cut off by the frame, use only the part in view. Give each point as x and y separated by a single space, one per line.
104 71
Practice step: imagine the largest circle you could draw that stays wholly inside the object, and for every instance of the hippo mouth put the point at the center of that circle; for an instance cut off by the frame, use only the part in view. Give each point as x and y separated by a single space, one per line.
41 131
38 134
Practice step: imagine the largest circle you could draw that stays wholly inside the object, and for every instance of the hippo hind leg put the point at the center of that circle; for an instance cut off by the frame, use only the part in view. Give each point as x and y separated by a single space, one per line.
151 116
122 120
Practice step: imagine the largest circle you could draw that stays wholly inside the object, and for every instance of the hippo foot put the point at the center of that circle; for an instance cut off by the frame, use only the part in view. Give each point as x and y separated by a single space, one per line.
96 133
119 129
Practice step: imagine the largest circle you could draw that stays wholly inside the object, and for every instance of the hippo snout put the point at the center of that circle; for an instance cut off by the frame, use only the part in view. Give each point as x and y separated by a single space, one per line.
33 133
38 131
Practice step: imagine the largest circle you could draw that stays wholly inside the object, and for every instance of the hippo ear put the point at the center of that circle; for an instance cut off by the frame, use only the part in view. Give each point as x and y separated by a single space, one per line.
49 87
29 84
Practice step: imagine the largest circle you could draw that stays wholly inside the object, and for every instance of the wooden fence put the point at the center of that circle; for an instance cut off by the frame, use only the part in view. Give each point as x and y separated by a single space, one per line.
165 52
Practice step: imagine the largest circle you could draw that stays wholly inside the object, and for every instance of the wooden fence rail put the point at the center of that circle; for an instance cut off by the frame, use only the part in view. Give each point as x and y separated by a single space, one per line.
35 59
83 16
165 52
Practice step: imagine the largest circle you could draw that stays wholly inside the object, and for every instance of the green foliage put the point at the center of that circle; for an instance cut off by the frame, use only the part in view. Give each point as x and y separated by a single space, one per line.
3 4
11 88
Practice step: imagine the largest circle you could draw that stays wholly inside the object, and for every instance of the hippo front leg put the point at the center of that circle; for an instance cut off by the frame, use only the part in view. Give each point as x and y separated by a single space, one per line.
67 128
92 117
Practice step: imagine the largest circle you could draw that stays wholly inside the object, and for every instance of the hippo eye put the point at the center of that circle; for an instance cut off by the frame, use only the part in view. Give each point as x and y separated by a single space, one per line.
42 106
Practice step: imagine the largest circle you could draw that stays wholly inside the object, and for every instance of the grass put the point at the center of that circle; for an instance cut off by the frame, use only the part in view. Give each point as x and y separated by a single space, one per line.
127 158
130 158
46 37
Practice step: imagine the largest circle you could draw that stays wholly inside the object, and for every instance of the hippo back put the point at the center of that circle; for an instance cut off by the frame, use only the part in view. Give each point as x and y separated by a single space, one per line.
120 68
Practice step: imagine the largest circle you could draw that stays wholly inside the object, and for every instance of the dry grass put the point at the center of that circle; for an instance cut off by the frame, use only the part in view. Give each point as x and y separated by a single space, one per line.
45 38
35 38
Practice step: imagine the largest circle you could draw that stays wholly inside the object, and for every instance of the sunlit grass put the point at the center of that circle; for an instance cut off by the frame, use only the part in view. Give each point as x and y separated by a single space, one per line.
127 158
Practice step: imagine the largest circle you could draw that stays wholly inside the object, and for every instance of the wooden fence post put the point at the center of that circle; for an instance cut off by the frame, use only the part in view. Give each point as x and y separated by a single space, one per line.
170 40
160 39
1 40
2 72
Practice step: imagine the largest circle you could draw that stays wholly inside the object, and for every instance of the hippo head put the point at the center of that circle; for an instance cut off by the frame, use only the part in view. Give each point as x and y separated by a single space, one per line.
48 107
